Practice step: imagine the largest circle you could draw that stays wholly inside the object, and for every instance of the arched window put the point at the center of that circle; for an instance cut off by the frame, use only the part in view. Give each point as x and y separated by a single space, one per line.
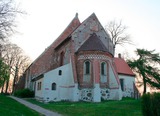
60 72
87 67
61 58
87 71
53 86
103 70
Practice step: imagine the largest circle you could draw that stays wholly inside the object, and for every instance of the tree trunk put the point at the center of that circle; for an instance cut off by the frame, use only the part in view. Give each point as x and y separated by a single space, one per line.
15 78
2 90
7 84
144 78
144 86
7 81
13 87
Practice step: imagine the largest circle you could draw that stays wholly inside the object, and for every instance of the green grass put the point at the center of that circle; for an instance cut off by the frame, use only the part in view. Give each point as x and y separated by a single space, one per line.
126 107
10 107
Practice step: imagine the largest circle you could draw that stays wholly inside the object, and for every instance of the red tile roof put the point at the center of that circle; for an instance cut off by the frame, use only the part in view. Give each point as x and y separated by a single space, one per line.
122 67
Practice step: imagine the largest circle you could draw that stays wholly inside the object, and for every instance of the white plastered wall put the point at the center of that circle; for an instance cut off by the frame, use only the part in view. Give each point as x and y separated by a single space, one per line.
64 84
115 89
128 85
39 93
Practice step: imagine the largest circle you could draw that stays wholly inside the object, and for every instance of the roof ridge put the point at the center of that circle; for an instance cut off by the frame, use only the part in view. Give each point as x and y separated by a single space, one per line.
57 39
73 21
93 14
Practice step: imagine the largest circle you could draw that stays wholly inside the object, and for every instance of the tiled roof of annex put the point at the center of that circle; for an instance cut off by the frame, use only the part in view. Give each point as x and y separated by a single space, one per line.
122 67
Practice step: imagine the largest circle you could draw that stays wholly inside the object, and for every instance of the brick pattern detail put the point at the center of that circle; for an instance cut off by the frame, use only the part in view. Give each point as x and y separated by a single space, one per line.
93 56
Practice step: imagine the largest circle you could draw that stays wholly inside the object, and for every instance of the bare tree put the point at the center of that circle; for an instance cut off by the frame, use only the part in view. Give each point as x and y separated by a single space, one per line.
22 62
8 13
117 32
9 52
17 61
9 58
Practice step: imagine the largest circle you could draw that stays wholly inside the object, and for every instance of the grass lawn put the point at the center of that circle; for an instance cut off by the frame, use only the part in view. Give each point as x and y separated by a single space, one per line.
126 107
10 107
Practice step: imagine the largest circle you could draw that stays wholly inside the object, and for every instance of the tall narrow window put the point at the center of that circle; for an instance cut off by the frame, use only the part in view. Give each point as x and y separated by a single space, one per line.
87 71
40 84
53 86
87 67
103 70
61 58
35 86
122 84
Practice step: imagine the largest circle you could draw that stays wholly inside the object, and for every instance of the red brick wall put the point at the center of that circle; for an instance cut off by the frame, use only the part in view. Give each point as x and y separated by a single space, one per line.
95 68
80 69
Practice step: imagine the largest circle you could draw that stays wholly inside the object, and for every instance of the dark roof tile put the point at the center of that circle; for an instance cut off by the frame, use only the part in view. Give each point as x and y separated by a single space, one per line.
93 44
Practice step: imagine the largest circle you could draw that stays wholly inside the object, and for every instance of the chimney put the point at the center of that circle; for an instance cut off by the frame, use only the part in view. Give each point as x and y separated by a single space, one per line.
119 55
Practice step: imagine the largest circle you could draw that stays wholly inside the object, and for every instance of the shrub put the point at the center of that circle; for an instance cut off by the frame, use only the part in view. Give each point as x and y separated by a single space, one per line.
156 104
151 104
146 105
24 93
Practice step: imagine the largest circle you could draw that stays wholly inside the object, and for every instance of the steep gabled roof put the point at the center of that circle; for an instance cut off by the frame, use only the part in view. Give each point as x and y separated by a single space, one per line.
73 25
93 43
122 67
93 16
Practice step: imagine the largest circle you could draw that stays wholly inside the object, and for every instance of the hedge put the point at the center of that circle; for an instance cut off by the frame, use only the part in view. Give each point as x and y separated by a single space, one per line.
151 104
24 93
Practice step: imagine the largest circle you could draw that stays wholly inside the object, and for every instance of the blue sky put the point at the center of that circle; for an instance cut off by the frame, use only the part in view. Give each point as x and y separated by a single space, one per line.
47 19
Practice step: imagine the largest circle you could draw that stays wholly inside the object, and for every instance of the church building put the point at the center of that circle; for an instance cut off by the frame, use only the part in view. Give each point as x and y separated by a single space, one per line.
80 66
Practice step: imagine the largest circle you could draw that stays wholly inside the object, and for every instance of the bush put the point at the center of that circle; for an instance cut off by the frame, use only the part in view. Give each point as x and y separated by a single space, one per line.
151 104
156 104
24 93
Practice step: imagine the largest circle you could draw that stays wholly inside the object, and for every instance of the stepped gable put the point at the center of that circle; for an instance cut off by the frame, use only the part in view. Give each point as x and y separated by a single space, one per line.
93 44
122 67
